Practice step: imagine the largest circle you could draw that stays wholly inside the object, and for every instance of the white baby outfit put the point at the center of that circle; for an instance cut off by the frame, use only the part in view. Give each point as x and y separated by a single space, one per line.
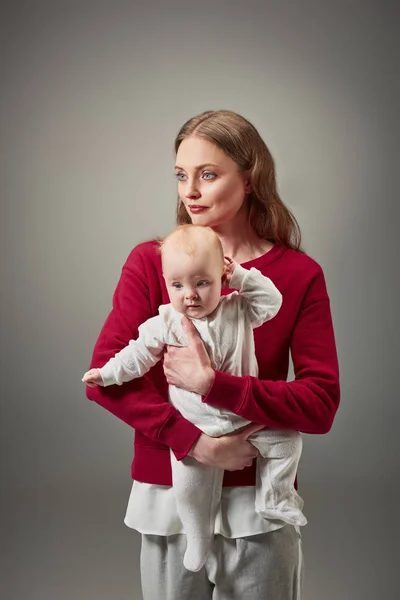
228 336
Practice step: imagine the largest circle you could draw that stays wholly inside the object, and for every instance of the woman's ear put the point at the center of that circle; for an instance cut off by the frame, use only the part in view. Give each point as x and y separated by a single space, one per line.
247 181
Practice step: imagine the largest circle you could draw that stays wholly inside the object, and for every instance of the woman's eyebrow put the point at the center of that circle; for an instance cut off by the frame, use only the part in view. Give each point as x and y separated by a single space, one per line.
199 166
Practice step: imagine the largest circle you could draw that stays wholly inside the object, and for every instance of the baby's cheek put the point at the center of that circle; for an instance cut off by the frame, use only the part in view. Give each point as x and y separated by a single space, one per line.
176 303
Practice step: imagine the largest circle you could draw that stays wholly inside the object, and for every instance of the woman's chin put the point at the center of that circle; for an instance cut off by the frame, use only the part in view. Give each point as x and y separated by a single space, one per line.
201 219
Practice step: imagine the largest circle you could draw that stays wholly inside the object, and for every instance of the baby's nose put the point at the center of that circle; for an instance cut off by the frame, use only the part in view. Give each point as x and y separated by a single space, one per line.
190 294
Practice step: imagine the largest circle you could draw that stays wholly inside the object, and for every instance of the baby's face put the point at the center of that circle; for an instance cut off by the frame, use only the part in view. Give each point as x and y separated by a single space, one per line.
193 282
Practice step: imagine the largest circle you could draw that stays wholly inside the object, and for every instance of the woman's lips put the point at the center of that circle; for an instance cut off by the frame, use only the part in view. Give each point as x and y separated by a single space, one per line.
194 208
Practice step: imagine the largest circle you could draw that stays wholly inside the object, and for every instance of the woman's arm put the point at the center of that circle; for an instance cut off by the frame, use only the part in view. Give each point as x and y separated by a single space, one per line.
307 404
138 403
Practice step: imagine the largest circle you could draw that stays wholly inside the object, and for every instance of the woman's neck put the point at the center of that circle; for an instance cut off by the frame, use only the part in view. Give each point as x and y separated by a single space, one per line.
240 242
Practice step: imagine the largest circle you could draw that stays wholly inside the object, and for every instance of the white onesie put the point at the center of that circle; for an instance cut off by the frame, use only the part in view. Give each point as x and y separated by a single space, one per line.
228 336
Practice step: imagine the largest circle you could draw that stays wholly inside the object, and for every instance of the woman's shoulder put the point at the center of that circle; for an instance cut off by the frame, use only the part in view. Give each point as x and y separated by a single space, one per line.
144 255
302 273
302 261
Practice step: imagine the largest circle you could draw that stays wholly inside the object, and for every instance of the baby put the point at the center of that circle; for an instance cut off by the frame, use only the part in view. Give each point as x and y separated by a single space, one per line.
195 270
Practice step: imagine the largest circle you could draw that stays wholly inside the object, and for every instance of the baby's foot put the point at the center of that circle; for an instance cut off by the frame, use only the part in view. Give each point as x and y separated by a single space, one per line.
196 554
289 515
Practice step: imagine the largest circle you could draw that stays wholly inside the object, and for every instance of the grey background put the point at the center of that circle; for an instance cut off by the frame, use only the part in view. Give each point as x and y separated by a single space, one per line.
92 95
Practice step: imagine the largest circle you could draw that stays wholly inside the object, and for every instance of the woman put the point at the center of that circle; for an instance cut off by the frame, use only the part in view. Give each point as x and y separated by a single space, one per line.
226 180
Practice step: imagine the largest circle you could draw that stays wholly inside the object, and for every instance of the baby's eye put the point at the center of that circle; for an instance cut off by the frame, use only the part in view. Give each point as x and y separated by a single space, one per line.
177 286
209 176
202 283
180 176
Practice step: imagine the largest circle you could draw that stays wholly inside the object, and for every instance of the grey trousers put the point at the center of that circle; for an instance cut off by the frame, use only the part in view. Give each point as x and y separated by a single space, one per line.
268 566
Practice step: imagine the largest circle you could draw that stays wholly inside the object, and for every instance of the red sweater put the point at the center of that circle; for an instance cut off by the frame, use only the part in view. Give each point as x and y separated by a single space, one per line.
303 325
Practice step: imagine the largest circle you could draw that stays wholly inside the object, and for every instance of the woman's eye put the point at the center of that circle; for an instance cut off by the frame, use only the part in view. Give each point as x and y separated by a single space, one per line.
202 283
208 176
180 176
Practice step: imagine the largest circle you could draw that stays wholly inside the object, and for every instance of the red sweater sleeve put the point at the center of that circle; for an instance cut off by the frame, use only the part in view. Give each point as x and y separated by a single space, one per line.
141 403
308 403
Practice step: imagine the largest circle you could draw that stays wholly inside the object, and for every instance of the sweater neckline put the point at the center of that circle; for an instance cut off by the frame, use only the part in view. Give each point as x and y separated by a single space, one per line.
265 259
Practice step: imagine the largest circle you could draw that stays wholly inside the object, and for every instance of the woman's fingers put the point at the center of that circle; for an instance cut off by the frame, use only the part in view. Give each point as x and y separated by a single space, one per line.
229 452
248 430
188 327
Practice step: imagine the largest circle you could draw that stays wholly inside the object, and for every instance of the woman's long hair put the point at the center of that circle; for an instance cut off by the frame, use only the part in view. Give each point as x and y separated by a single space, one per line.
240 140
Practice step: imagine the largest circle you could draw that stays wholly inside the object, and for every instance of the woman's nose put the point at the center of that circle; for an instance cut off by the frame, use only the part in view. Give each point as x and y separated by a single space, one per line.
191 190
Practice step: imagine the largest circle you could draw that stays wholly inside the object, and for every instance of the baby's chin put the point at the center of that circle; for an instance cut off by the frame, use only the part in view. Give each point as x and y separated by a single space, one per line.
195 312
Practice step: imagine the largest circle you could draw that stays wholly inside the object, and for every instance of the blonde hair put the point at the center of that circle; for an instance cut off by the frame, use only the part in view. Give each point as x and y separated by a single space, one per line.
238 138
190 238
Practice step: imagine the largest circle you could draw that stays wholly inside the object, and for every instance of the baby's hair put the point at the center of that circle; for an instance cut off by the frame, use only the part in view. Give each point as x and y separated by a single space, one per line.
189 237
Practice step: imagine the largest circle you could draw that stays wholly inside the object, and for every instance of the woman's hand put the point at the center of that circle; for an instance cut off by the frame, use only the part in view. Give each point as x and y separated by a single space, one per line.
189 367
231 452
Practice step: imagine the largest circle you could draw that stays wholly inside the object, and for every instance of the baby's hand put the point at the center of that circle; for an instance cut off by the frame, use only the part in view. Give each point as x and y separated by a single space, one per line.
230 266
92 378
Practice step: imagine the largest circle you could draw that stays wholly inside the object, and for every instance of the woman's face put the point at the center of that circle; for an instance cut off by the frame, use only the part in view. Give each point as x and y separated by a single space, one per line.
209 183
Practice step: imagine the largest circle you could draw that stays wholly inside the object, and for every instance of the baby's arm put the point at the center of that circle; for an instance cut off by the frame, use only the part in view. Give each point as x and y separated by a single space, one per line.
134 360
261 298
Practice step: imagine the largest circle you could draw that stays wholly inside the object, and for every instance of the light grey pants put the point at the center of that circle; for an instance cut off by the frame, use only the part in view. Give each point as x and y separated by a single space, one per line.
259 567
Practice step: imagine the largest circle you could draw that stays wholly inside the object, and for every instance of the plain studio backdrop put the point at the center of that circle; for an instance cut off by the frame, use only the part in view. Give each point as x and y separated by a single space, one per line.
92 95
